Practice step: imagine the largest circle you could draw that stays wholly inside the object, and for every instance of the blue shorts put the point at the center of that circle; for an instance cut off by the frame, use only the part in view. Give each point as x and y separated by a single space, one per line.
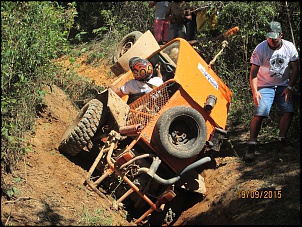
269 96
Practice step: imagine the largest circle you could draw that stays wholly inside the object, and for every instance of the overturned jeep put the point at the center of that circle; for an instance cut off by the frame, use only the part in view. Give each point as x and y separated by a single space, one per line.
149 148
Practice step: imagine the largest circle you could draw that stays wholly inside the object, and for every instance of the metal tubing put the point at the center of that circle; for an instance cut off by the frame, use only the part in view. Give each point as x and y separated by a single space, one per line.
131 129
121 199
152 170
136 158
176 178
126 179
143 216
101 178
92 168
96 161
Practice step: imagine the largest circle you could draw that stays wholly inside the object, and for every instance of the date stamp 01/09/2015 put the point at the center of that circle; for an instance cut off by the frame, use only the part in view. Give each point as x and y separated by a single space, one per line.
259 194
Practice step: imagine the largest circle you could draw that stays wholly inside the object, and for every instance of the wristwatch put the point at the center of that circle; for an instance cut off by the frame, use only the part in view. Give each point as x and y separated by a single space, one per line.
290 88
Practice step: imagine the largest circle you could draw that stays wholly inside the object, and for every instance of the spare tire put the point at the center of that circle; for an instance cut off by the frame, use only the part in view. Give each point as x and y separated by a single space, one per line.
125 44
181 132
82 129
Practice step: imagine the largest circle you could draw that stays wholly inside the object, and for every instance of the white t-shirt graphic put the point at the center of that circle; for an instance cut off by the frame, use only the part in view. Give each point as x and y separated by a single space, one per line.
274 69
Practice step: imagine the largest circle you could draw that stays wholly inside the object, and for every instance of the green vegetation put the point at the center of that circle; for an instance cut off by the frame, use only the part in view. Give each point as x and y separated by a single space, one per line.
96 218
34 34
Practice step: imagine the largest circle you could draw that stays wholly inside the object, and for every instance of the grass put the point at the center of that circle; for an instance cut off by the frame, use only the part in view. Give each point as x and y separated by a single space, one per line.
97 217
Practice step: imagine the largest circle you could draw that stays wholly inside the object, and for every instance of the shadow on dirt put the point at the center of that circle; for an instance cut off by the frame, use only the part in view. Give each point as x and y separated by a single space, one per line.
47 216
274 209
267 191
84 159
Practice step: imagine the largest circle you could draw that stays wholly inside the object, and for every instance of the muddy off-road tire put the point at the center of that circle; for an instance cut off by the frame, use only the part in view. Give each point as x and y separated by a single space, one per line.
82 129
181 132
125 44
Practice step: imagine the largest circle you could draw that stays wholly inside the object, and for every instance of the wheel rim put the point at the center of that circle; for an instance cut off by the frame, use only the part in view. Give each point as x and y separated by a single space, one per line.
183 130
126 47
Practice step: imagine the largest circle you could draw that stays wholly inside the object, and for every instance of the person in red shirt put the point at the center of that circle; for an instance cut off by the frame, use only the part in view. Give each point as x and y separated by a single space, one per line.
160 25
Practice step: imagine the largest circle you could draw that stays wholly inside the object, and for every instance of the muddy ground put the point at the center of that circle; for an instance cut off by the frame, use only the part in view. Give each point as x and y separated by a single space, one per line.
50 187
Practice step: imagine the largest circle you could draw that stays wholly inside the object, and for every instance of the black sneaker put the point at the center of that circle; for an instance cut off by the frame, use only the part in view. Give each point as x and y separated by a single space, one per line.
250 153
283 146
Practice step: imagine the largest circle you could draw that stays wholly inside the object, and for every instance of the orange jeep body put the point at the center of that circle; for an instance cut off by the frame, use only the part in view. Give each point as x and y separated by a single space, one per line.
197 81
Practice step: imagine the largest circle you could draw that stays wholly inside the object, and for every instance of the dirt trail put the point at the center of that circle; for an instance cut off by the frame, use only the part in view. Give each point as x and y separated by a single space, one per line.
51 188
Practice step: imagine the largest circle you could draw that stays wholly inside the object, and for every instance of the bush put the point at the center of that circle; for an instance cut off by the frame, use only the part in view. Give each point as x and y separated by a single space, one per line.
33 33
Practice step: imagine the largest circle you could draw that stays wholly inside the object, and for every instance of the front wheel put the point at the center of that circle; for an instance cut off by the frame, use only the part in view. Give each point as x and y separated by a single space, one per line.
82 129
181 132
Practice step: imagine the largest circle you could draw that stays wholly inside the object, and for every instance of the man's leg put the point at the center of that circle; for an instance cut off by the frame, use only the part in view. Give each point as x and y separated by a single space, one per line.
157 26
255 127
260 112
166 25
284 124
286 109
172 31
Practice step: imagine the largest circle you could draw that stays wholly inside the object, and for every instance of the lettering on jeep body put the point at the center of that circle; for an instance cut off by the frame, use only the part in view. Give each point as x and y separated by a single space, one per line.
208 76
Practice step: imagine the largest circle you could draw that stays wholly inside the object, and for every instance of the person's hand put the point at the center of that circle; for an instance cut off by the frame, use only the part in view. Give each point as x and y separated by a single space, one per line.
157 68
287 94
116 90
256 97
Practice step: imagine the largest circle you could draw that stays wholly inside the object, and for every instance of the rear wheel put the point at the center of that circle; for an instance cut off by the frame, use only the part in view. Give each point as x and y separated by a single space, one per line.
82 129
181 132
125 44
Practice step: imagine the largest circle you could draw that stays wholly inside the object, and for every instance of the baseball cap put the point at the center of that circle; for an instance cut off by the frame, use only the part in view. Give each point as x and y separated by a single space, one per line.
274 30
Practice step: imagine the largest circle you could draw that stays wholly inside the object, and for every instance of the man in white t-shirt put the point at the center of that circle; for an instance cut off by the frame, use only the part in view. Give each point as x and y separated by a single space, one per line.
274 72
145 79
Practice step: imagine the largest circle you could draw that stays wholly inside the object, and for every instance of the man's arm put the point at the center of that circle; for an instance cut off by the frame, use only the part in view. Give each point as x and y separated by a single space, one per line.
253 83
168 15
152 4
116 90
295 72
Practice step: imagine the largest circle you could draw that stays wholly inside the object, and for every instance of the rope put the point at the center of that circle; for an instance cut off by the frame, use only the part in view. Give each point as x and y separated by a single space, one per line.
224 44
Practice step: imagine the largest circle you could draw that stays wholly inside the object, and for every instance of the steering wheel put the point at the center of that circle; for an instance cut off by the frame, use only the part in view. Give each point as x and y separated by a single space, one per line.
168 67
